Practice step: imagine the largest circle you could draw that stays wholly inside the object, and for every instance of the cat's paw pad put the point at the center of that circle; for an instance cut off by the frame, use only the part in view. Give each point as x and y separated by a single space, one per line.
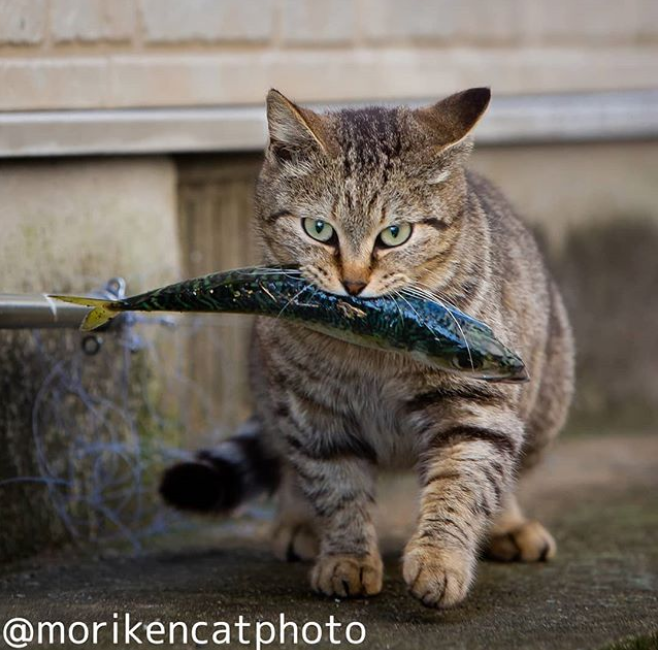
347 576
529 542
437 578
295 542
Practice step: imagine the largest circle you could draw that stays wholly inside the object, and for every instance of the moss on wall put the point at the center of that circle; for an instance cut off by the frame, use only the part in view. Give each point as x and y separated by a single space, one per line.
608 272
74 429
80 437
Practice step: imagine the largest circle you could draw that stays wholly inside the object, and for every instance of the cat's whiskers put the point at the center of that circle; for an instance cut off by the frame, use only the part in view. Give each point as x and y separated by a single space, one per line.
299 293
418 316
394 296
435 294
312 274
394 282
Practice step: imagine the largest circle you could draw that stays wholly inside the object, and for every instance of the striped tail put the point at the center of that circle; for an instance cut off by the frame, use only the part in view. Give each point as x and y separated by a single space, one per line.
221 479
102 311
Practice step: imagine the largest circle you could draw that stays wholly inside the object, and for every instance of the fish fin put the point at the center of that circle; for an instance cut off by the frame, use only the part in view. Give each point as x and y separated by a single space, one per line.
102 311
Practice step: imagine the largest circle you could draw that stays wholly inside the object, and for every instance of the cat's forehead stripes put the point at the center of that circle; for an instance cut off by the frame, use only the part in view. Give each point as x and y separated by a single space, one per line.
369 141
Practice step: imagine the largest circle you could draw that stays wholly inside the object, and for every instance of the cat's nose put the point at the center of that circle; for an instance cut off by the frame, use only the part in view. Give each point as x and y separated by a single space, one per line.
354 287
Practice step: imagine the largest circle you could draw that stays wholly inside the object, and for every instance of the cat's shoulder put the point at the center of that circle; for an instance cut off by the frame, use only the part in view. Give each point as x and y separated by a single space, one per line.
500 213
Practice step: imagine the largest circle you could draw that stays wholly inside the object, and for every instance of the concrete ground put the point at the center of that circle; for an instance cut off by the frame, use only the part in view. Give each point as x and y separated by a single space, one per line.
599 496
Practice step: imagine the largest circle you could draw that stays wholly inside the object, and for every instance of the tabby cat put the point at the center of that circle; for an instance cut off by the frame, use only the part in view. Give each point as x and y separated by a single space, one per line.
368 201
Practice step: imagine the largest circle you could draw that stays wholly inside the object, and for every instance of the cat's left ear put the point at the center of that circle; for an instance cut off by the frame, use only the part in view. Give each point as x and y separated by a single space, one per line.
293 130
449 122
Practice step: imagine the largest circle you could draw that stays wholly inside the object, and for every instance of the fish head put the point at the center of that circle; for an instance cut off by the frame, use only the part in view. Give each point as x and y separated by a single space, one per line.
490 361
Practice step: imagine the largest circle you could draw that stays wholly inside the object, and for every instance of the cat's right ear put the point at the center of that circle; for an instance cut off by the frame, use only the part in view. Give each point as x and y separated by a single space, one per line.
293 130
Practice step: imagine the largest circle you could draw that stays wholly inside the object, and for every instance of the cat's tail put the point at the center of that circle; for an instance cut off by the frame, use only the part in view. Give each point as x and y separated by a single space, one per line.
220 479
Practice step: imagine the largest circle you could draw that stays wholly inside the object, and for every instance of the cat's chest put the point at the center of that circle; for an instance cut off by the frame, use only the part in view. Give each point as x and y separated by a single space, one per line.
337 387
375 402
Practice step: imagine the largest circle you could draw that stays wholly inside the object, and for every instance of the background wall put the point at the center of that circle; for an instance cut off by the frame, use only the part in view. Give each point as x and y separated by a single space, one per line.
121 53
75 428
595 209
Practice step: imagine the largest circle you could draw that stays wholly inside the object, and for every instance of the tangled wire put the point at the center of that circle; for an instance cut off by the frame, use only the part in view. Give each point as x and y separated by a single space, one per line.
108 416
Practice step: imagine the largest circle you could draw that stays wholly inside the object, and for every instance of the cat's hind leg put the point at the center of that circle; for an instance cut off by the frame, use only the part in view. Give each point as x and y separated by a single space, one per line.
513 538
294 535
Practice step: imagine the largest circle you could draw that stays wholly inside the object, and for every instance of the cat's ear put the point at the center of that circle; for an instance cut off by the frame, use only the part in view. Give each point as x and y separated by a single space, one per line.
293 130
448 122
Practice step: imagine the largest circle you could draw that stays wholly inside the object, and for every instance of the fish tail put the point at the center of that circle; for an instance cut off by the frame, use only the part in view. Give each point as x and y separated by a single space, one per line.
102 311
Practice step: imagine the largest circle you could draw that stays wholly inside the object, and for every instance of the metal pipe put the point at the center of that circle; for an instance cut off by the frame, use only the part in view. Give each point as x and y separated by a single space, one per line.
38 311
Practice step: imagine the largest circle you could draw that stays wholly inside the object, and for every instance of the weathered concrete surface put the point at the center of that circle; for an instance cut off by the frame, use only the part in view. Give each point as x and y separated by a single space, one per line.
597 494
558 187
69 226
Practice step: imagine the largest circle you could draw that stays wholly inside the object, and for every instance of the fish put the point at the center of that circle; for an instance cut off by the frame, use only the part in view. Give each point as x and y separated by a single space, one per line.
434 333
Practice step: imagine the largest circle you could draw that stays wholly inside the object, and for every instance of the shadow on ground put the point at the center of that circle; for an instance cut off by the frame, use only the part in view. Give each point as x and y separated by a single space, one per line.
599 497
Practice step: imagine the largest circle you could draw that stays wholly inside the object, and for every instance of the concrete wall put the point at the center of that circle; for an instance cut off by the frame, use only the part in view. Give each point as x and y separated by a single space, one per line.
119 53
69 226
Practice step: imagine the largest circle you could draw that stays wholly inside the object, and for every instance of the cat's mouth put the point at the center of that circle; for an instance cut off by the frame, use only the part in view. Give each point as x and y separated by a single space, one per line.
388 286
365 294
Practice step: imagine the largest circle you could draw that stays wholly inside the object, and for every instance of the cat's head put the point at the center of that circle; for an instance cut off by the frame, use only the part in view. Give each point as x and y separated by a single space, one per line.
369 200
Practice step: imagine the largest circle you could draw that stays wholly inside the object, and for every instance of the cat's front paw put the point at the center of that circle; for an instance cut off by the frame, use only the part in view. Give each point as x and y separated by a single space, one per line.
348 576
437 577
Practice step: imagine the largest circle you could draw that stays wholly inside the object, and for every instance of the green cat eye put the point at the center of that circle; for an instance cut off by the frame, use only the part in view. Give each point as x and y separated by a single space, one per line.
319 229
394 235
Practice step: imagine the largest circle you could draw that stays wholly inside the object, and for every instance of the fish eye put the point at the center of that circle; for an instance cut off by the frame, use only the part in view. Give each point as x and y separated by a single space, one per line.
394 235
319 230
465 362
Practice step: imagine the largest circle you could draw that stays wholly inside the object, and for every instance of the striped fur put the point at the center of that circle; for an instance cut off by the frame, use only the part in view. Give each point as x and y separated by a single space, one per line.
333 415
